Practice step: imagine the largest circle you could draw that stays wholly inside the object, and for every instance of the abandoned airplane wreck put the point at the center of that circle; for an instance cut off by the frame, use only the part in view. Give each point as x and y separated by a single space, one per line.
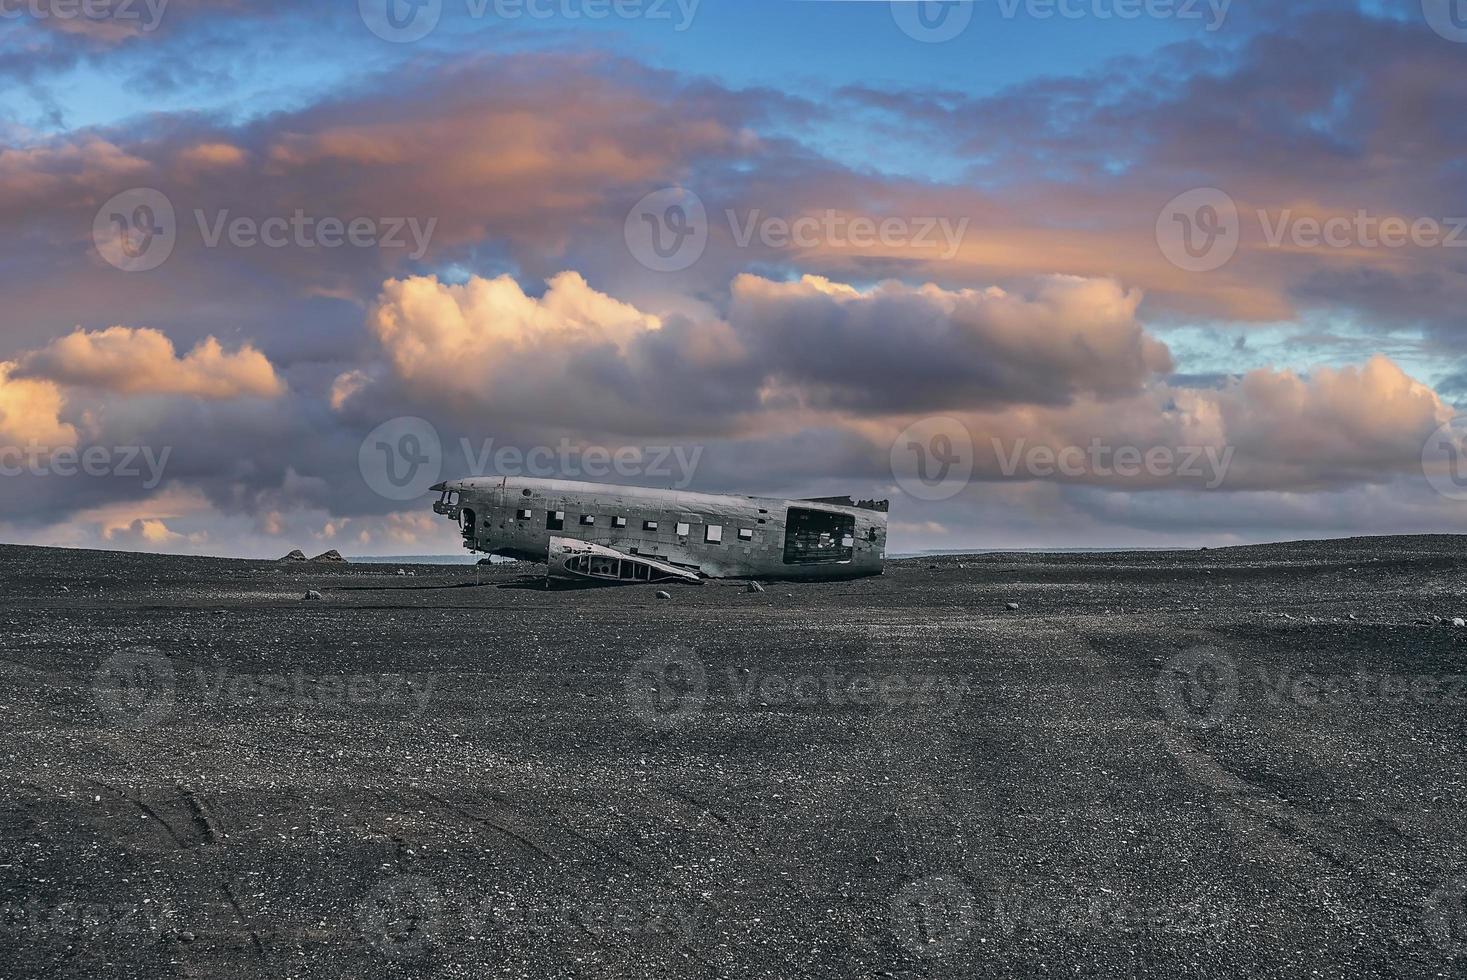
591 532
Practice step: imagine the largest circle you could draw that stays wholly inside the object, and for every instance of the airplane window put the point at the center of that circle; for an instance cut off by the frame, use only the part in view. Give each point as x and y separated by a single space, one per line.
649 525
526 514
554 520
618 522
713 534
587 520
746 534
682 530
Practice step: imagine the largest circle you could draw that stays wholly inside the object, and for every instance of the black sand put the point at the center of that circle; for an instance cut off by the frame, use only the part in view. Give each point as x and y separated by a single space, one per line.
1247 762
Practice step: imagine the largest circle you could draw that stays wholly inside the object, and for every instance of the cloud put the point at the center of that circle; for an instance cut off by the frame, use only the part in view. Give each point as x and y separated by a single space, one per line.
897 348
142 361
811 345
30 411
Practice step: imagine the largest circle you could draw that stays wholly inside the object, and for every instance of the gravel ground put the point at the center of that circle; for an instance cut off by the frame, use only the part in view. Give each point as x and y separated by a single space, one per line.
1239 762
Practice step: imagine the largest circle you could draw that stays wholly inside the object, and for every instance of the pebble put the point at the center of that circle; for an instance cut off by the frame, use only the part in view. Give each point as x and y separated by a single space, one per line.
1012 607
664 595
753 587
312 596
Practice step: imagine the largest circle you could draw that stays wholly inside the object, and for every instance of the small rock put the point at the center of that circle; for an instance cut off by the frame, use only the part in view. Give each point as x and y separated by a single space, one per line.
312 596
1012 607
664 595
753 587
401 572
1459 622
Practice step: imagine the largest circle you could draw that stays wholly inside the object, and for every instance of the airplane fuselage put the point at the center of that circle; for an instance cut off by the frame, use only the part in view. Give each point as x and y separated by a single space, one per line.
713 535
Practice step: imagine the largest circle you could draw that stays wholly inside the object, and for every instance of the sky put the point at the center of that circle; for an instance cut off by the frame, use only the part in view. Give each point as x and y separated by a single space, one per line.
1044 273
